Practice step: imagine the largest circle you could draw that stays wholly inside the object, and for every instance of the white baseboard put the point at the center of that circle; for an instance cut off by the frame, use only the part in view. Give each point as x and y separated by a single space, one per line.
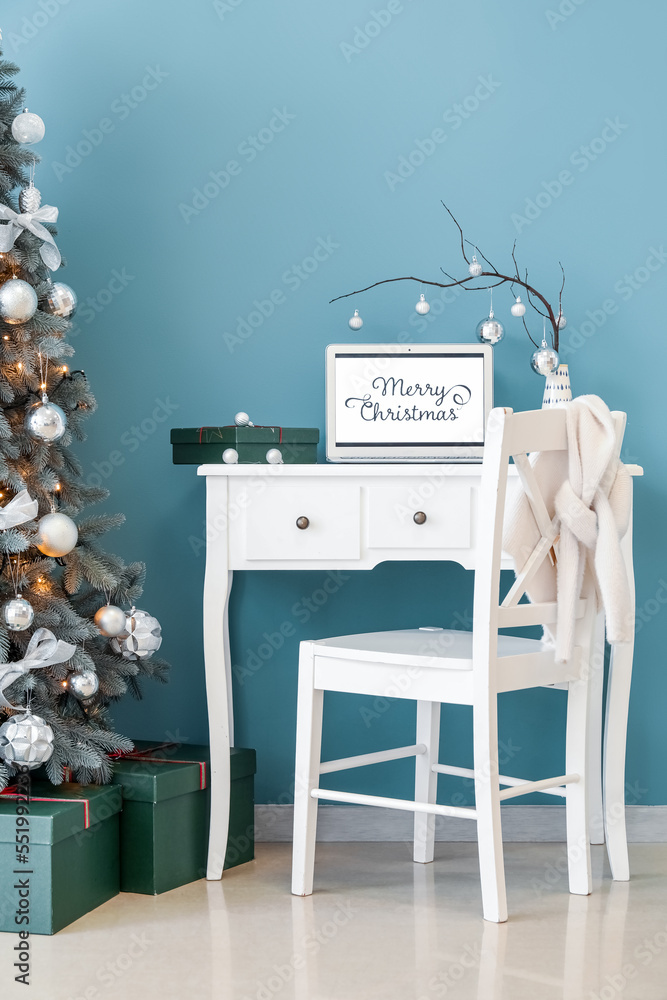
645 824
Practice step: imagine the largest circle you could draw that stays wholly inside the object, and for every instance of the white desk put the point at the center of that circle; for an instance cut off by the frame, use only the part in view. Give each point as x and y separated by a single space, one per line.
351 517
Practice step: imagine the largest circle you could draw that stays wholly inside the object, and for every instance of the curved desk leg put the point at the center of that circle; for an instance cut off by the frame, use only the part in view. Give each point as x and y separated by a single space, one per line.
217 586
615 738
595 807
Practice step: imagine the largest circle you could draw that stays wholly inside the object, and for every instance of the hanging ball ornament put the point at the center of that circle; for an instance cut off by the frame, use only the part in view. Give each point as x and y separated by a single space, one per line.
243 420
422 306
518 309
61 300
274 456
18 614
28 127
141 637
489 330
230 456
561 322
26 741
474 267
18 301
45 421
355 322
57 535
30 198
544 360
110 620
83 685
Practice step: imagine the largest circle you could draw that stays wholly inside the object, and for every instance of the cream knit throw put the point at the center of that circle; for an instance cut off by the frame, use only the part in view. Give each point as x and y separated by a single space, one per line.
590 495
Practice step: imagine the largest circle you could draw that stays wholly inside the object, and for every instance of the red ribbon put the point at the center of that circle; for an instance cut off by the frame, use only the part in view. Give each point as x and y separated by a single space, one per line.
9 793
263 427
143 755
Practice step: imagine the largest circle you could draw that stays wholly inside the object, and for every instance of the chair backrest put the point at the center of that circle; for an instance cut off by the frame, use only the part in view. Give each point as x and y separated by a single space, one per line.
514 436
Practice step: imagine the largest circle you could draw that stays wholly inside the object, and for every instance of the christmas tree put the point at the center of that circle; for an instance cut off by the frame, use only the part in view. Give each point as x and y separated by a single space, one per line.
68 649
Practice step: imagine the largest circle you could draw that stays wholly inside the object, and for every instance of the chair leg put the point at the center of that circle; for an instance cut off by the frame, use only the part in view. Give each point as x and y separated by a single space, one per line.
618 698
576 795
426 779
307 773
487 805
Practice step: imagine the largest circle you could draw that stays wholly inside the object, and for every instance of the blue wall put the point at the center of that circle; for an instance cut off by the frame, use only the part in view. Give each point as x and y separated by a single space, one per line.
157 95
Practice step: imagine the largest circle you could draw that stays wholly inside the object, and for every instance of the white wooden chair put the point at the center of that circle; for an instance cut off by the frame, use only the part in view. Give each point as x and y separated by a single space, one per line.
444 666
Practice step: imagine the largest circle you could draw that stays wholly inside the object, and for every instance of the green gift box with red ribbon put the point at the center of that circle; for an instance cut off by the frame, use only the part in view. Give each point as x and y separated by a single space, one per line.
205 445
59 853
166 809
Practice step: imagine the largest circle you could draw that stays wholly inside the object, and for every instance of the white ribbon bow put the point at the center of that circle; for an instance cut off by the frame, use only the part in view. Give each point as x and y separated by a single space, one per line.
31 221
43 651
19 510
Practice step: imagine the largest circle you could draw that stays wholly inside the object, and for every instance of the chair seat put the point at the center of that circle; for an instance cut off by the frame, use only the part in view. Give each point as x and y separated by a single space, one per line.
447 648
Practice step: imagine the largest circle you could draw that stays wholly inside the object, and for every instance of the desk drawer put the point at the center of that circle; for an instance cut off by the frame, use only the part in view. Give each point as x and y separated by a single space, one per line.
329 518
426 515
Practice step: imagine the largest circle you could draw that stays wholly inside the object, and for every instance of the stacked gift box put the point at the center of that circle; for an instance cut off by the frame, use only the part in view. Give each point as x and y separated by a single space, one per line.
147 833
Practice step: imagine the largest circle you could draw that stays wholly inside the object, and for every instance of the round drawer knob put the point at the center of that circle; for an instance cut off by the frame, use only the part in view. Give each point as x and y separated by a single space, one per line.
302 522
419 517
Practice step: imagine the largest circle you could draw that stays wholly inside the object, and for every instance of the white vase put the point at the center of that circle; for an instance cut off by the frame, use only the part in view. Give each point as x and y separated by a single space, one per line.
557 388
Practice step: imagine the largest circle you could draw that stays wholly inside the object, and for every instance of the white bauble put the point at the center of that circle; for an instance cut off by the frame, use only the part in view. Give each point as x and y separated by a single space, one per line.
57 535
274 456
110 620
230 456
355 322
18 301
26 741
28 128
141 638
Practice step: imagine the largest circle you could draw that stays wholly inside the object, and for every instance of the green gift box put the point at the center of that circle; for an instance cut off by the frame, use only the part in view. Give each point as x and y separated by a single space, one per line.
166 809
205 445
72 857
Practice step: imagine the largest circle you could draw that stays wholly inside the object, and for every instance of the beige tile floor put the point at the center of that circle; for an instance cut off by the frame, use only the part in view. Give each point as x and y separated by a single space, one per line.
378 926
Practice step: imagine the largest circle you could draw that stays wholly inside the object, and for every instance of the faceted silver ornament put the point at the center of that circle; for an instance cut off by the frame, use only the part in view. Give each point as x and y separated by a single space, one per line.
45 421
355 322
422 306
489 330
83 685
110 620
18 301
230 456
30 199
474 267
61 300
141 638
544 360
243 420
26 740
28 127
18 614
57 535
518 309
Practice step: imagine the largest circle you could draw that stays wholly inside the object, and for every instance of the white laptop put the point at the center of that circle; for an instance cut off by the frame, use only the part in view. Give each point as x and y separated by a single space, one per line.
407 402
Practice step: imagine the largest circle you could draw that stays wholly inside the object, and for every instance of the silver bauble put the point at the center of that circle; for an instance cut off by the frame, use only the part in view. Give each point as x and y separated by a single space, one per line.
422 306
230 456
544 360
45 421
28 127
18 614
243 420
474 267
274 456
61 300
18 301
26 740
518 309
30 199
489 330
83 685
110 620
355 322
141 638
57 535
561 322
